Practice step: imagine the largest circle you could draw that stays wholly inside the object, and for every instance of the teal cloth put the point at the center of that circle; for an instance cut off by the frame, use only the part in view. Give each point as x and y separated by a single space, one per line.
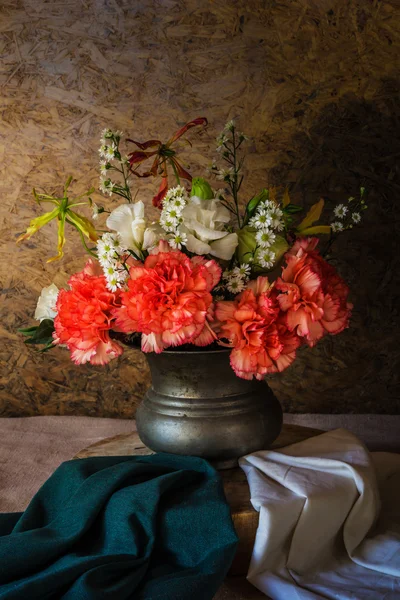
150 527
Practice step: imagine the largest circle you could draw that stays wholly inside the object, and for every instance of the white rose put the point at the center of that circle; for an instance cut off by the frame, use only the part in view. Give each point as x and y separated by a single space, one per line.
46 306
128 220
204 223
152 235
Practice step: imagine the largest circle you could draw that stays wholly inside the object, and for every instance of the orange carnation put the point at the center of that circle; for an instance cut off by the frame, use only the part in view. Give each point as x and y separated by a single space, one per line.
169 300
84 317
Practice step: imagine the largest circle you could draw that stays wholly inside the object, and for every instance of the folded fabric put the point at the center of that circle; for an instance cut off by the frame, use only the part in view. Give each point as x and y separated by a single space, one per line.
150 527
329 522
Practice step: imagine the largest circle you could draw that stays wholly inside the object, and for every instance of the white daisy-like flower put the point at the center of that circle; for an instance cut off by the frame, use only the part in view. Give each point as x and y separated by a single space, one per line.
113 283
106 186
242 270
235 285
178 240
221 140
265 238
356 217
172 212
103 149
340 211
104 167
224 174
261 219
178 203
106 135
175 192
96 211
169 224
276 215
230 125
110 152
267 258
337 226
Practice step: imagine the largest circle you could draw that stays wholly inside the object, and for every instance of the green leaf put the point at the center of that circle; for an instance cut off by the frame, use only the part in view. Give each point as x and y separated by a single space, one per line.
254 202
40 334
291 209
315 230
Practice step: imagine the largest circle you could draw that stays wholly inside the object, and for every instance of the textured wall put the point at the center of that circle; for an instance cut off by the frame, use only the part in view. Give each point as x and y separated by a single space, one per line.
315 85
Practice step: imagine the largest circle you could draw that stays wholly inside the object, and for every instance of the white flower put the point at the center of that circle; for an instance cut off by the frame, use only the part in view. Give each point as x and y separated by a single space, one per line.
337 226
128 220
178 240
265 238
340 211
106 135
169 224
152 235
266 258
224 174
230 125
104 167
110 152
276 215
103 149
106 186
356 217
173 193
243 270
96 210
46 305
235 285
221 140
261 220
204 222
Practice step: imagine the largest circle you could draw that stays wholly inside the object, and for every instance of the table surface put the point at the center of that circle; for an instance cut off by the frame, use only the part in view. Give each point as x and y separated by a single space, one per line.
245 518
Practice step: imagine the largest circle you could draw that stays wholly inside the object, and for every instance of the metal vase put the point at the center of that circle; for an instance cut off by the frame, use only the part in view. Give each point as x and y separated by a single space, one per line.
197 406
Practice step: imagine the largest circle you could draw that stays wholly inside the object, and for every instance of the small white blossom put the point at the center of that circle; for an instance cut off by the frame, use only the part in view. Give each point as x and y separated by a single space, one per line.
106 186
230 125
110 152
265 238
104 167
276 215
169 224
178 240
106 135
243 270
266 259
337 226
221 140
235 285
96 210
356 217
225 173
175 192
261 219
340 211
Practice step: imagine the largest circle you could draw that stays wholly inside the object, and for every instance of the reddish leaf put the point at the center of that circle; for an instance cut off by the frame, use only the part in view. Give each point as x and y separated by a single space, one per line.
180 170
159 197
135 158
145 145
182 130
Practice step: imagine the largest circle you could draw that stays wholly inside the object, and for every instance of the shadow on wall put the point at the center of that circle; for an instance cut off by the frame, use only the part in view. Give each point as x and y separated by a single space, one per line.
352 143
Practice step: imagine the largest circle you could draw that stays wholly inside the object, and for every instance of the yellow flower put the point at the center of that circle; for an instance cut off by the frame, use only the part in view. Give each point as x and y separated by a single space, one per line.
63 214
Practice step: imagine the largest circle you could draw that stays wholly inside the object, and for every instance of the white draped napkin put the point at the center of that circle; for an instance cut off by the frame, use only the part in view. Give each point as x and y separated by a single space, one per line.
329 520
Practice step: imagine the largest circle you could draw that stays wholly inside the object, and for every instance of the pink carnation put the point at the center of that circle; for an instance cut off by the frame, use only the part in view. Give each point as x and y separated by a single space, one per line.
169 300
261 342
311 294
84 317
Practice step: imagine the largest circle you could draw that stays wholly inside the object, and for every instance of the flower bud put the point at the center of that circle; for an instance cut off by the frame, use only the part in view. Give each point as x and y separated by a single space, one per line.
202 189
247 244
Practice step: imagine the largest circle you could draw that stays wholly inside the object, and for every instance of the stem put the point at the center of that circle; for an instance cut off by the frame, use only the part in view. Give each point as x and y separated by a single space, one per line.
171 162
83 239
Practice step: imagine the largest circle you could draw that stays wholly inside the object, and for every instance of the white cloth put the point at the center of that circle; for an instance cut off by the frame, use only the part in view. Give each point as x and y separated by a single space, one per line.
329 522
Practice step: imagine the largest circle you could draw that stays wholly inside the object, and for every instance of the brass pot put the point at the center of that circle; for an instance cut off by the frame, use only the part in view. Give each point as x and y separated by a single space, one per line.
197 406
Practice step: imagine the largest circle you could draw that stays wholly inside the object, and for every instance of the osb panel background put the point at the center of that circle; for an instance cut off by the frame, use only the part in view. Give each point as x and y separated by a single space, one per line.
315 85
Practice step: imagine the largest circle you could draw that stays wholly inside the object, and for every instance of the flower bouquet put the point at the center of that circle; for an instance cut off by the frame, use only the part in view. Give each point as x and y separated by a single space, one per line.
210 272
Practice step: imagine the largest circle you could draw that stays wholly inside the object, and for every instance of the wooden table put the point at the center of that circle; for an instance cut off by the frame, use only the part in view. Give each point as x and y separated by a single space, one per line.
237 492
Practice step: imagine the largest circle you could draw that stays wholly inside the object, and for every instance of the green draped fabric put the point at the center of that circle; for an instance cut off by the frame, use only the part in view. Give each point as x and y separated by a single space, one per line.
150 527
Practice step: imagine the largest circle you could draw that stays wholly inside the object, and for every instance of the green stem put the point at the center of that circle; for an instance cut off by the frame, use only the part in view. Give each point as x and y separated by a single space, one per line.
83 239
171 162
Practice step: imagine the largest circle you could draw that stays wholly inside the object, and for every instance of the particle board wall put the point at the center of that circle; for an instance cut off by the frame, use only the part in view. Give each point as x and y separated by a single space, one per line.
315 84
